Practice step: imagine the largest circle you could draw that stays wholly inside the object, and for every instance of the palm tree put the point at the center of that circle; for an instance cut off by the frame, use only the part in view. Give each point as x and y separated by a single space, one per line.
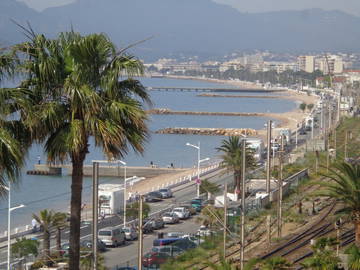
24 247
275 263
344 186
232 158
59 222
12 146
45 219
76 94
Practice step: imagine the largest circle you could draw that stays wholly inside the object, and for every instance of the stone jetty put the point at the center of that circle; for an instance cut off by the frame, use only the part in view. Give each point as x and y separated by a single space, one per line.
237 96
168 111
209 131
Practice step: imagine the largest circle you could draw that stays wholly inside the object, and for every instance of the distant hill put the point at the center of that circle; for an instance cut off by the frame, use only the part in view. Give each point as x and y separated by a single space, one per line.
190 26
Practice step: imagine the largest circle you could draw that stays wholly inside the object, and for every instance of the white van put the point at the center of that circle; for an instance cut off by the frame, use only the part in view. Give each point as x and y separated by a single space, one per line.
112 236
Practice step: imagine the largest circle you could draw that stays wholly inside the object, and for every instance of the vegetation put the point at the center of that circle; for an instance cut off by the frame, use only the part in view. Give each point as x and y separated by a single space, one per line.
74 92
345 188
24 247
132 210
302 106
60 223
45 219
208 187
232 158
353 257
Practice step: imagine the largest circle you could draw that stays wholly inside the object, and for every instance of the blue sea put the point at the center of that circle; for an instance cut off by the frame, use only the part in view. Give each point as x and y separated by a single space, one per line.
53 192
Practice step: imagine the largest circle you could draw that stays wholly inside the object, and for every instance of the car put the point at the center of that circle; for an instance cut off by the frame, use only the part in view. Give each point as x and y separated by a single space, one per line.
190 208
166 193
181 212
153 196
197 204
130 233
204 231
88 244
175 234
127 268
302 132
170 218
156 223
112 236
154 259
147 227
171 251
308 128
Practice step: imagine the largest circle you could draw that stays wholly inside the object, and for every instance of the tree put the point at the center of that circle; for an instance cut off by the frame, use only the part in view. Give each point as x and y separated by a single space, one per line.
323 256
344 186
81 87
310 106
59 222
12 133
45 219
132 210
353 257
207 186
232 158
275 263
24 247
302 107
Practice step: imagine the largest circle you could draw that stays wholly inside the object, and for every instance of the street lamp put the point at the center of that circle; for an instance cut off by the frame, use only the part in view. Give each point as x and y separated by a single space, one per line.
198 166
124 164
10 209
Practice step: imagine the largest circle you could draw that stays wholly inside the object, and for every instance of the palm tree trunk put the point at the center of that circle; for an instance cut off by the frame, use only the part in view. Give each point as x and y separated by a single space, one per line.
357 232
58 240
46 246
75 212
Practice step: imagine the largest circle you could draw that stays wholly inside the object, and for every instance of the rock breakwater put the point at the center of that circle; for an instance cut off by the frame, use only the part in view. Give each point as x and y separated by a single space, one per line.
168 111
209 131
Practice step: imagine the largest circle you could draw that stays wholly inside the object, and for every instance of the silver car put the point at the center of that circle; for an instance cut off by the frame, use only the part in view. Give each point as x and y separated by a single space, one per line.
170 218
166 193
130 233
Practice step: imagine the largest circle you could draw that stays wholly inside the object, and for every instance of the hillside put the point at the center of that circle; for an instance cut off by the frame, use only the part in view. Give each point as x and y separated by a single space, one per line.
197 27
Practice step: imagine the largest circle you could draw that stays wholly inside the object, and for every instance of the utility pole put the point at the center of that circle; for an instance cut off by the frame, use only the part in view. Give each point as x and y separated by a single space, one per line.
335 142
140 244
225 219
95 213
345 145
280 190
328 154
268 158
296 135
268 173
243 206
330 117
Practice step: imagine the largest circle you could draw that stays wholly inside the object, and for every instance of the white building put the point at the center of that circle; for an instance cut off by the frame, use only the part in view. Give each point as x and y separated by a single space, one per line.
306 63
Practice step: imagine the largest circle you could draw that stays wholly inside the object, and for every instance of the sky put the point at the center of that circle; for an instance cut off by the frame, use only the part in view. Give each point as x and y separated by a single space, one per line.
349 6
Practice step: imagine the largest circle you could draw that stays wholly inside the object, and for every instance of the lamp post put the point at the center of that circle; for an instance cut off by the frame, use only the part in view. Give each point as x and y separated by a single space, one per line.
10 209
124 163
198 166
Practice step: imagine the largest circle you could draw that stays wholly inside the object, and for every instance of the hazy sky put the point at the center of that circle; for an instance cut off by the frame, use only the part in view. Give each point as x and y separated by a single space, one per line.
350 6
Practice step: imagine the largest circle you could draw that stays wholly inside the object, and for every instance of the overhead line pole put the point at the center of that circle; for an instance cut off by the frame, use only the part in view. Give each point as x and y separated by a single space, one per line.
243 205
225 219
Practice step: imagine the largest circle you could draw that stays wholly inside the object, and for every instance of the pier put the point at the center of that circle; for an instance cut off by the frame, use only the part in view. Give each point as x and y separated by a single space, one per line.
213 89
110 170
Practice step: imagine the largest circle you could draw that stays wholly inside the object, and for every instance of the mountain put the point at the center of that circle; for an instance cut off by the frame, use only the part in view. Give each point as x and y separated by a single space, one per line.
190 26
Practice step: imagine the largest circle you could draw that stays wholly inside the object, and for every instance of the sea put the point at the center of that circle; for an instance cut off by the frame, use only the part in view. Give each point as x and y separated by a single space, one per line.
53 192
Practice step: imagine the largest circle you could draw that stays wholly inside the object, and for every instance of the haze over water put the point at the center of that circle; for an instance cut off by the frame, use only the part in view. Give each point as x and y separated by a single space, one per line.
53 192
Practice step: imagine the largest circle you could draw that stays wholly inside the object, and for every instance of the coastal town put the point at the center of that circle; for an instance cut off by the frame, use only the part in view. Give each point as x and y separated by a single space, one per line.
189 136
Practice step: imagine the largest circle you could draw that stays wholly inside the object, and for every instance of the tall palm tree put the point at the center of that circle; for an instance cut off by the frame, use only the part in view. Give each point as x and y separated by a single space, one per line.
59 222
344 186
45 219
12 133
232 158
81 87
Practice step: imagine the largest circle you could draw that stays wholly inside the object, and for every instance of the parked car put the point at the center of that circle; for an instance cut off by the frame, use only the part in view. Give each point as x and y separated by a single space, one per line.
197 204
204 231
175 234
171 251
166 193
147 227
130 233
190 208
170 218
302 132
153 196
181 212
154 259
156 223
127 268
112 236
88 244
